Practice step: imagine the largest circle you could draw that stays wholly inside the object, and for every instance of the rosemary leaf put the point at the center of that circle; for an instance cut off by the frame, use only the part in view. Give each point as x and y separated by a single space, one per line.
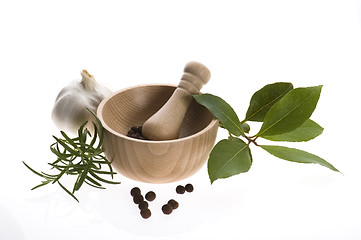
82 177
57 153
63 143
110 168
59 176
37 173
101 129
90 184
80 130
95 135
103 172
94 182
66 190
102 179
42 184
50 176
68 139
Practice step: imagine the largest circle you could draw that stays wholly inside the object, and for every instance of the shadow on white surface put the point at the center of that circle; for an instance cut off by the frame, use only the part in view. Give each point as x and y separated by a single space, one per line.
10 228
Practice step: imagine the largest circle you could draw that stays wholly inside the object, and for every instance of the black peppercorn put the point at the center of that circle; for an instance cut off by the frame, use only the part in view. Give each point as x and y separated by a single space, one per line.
173 203
167 209
138 198
139 129
180 189
150 196
143 205
135 191
136 132
130 133
189 187
145 213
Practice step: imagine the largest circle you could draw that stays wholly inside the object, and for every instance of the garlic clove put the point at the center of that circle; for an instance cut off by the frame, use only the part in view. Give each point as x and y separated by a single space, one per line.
88 81
70 108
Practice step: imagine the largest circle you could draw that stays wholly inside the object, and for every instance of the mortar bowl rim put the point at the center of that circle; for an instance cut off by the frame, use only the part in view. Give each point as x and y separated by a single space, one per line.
120 135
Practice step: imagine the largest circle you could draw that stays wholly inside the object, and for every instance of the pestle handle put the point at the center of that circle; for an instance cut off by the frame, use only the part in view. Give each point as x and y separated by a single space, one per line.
166 123
194 77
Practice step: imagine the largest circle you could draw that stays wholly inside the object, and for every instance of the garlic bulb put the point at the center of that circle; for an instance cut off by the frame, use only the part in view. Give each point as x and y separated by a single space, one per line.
70 109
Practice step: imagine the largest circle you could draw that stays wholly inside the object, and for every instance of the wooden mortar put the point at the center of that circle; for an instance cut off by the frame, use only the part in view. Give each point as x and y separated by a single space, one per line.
154 161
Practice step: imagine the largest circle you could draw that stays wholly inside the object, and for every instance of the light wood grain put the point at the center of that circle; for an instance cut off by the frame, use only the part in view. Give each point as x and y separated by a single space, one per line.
166 123
154 161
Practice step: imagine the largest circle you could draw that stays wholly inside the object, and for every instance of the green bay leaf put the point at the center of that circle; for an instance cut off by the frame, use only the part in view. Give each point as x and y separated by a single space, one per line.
296 155
264 99
228 158
291 111
307 131
222 111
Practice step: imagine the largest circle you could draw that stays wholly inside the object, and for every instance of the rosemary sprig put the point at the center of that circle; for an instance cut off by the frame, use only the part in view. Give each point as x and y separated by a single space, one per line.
79 157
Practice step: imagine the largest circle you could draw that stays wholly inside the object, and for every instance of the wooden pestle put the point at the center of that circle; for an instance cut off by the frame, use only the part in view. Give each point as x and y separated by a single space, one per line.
166 123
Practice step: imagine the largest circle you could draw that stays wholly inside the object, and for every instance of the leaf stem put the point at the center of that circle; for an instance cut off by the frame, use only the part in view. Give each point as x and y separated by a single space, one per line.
252 139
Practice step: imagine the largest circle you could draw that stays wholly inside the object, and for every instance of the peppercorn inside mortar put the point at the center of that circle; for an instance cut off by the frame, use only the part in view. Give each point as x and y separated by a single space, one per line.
136 132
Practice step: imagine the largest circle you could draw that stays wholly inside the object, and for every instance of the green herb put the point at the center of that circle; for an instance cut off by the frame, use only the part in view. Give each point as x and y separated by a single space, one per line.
80 158
290 112
229 157
264 99
222 111
285 115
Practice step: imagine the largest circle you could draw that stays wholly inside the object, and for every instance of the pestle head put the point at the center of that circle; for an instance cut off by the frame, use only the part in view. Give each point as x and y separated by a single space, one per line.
166 123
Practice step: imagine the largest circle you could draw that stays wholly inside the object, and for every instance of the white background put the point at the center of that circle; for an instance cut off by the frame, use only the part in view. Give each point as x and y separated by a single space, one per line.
246 44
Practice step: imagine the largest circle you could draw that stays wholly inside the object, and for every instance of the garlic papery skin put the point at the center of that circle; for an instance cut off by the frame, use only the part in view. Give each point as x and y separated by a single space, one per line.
70 108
